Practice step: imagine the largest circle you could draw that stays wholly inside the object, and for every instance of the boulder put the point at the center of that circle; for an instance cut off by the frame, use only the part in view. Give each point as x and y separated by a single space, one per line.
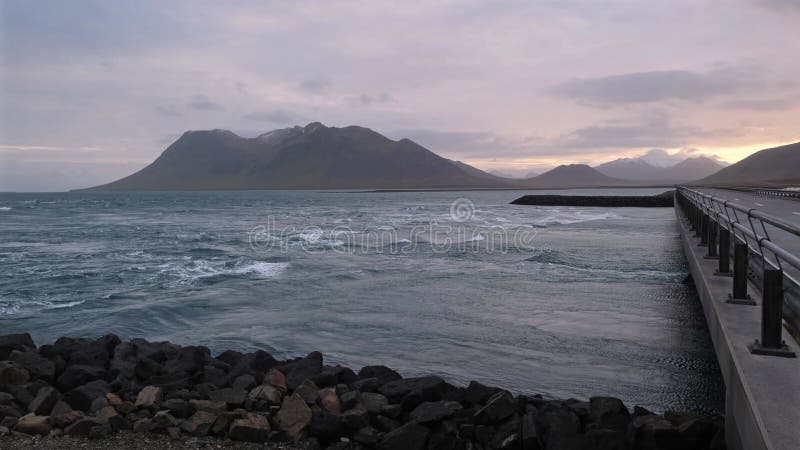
250 428
656 433
98 404
82 397
147 368
45 400
382 373
309 391
230 357
411 436
499 407
350 399
478 394
37 366
276 378
66 418
267 393
333 375
368 436
294 416
12 373
33 424
199 424
108 415
189 359
326 426
355 418
123 361
82 427
6 398
432 412
178 407
9 411
215 376
163 420
374 403
330 401
11 342
149 397
244 382
609 412
366 385
232 397
530 433
429 388
78 375
699 432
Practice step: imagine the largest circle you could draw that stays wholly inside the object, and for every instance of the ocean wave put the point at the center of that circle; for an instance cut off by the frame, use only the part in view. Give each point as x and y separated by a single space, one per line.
16 308
5 208
206 271
555 263
567 217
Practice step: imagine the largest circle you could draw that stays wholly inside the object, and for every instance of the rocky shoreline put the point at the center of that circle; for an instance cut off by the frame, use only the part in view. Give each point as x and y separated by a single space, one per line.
106 393
663 200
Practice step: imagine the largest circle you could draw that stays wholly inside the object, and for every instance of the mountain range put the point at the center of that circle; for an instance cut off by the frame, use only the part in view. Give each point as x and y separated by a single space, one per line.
640 169
353 157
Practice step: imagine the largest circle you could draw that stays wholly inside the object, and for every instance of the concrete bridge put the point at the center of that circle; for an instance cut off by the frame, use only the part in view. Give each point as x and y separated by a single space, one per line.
742 247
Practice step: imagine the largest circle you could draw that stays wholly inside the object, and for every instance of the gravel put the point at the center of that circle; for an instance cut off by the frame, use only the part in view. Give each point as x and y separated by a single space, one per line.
131 441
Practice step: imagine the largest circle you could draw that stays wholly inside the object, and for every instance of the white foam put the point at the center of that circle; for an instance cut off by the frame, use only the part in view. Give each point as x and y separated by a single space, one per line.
263 269
570 217
5 208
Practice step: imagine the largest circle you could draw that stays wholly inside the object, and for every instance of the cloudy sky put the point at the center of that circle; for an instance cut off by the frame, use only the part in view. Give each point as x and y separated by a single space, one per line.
93 90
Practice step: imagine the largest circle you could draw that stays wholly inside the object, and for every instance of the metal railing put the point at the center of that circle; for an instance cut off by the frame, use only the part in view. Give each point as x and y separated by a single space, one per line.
770 192
731 229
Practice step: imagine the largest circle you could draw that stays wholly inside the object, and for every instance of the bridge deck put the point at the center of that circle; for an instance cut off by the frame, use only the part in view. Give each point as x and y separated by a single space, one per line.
762 392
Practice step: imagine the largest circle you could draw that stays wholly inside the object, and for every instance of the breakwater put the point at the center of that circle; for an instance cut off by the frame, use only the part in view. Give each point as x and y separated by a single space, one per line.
664 200
95 387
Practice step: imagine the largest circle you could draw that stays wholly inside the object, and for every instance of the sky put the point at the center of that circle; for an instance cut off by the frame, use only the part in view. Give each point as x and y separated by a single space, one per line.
91 91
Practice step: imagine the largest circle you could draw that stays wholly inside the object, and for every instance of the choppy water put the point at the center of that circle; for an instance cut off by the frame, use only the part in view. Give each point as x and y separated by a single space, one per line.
592 305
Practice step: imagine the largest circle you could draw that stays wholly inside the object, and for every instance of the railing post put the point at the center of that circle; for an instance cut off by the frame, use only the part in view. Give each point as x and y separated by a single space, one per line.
771 317
740 295
697 222
713 226
724 252
704 226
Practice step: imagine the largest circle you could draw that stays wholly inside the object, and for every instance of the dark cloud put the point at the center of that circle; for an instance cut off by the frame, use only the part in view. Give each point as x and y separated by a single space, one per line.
279 116
653 86
202 103
772 104
316 85
168 111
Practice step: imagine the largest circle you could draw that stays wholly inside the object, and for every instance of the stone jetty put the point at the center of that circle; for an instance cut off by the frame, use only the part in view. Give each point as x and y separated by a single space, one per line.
78 388
664 200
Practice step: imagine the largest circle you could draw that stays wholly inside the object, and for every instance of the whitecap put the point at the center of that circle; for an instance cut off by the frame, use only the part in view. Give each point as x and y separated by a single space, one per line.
5 208
570 217
263 269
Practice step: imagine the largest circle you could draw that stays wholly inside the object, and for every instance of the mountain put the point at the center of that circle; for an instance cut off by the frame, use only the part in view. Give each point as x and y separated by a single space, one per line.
773 164
573 175
631 169
691 169
639 169
311 157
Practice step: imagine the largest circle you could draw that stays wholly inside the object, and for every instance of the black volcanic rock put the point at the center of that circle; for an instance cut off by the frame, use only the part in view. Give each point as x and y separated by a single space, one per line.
314 156
664 200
